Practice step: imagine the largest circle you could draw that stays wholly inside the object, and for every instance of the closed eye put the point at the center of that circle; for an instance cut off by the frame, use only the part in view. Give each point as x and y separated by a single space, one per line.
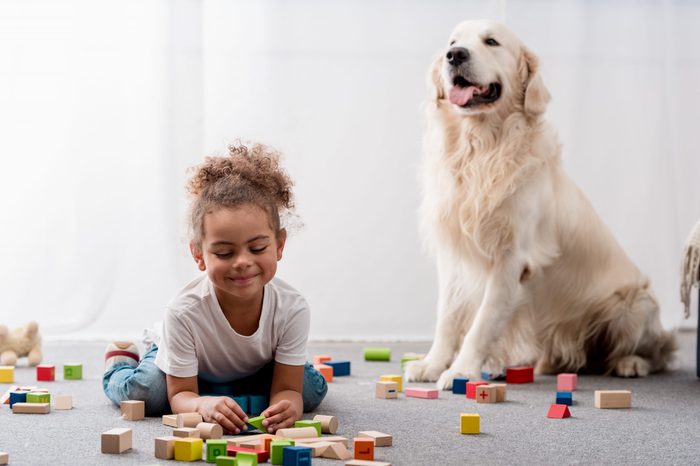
491 42
453 42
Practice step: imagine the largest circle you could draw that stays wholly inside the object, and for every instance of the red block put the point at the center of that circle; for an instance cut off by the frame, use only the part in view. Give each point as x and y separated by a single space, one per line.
363 448
471 388
46 372
566 382
263 455
520 375
558 411
430 393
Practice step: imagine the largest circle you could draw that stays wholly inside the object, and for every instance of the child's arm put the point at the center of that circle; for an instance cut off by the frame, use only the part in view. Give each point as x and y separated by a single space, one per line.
286 404
183 394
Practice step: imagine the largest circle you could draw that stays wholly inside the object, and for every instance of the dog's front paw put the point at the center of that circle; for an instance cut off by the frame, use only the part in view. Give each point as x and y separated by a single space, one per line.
423 371
632 366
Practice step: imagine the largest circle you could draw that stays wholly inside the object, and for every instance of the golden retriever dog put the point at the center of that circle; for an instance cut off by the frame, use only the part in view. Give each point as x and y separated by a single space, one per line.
528 274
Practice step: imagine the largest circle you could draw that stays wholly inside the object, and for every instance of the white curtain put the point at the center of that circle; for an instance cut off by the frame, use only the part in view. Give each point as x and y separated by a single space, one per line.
103 106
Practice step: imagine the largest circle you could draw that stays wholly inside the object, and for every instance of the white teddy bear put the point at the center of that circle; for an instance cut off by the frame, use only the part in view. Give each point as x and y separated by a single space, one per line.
20 342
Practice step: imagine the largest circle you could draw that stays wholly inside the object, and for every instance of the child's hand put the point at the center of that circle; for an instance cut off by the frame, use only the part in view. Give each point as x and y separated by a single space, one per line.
279 416
224 411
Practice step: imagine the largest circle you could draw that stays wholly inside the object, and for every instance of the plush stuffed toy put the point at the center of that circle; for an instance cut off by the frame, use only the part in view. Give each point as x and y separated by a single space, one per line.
20 342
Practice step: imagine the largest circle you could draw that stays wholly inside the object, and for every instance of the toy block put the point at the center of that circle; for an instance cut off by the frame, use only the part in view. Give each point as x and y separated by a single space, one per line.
241 401
610 399
485 375
188 419
317 448
17 397
386 390
469 423
38 397
256 423
298 432
380 439
393 378
209 430
276 448
73 371
4 457
186 432
260 455
520 375
255 444
63 402
557 411
329 424
322 358
564 398
215 448
309 423
471 388
170 420
500 391
363 448
459 385
330 438
267 440
31 408
188 449
256 404
567 382
245 438
46 372
245 458
165 447
326 372
340 368
226 461
337 451
296 456
428 393
7 374
5 398
408 357
366 463
486 394
133 410
116 441
377 354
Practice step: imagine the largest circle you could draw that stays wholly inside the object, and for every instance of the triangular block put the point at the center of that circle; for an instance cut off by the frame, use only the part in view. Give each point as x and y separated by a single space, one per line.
558 411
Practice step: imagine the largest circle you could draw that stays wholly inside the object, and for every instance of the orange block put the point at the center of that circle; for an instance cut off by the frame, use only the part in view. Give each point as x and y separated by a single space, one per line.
321 358
364 448
326 371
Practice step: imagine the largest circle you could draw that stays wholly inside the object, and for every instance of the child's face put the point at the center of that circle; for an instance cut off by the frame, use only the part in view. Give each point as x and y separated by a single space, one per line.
239 251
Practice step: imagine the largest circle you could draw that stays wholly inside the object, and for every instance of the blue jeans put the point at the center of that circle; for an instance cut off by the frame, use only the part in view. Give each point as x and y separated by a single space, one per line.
146 382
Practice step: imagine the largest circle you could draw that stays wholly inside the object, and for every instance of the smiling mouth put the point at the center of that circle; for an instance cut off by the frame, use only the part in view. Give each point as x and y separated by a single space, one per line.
467 94
242 280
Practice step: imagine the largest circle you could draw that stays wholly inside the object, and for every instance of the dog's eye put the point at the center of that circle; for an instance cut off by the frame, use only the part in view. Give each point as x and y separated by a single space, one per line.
491 42
453 42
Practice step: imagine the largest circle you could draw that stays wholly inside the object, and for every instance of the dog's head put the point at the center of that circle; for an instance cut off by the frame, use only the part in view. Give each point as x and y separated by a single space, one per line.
485 67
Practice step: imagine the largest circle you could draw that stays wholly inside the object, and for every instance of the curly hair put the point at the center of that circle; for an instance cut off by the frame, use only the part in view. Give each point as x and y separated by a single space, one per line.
247 175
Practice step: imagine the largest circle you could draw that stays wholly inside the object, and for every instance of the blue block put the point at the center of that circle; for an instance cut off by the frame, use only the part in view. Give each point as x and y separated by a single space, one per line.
256 404
459 385
242 402
339 367
296 456
565 398
490 376
18 397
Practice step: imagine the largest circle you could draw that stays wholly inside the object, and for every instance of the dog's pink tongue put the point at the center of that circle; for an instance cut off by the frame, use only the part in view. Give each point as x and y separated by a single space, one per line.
461 95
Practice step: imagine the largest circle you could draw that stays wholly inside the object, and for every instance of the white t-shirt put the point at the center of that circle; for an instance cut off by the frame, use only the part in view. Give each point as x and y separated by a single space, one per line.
197 339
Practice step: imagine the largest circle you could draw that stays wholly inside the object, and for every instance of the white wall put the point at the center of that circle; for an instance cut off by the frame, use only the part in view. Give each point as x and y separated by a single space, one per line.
102 109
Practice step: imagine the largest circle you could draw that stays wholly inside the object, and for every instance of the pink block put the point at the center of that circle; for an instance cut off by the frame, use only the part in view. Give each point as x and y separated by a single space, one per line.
421 392
566 382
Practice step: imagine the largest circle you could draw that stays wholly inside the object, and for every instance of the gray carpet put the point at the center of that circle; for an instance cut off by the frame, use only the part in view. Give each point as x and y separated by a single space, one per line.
662 427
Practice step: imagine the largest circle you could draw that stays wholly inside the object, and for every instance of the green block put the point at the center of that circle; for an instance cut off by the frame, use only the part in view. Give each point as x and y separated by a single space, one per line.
256 423
215 448
38 398
377 354
72 371
226 461
309 423
276 447
246 459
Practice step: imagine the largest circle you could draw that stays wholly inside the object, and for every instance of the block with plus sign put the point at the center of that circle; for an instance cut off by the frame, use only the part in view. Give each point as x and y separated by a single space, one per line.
486 394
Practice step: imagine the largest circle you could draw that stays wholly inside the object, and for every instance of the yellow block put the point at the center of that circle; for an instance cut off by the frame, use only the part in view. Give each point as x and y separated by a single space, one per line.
188 449
7 374
392 378
469 423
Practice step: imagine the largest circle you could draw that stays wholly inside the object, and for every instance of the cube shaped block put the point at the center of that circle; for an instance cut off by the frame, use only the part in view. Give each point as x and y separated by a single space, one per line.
7 374
566 382
459 385
188 449
215 448
469 423
486 394
471 388
46 372
326 372
165 447
72 371
38 397
393 378
340 368
116 441
564 398
133 410
296 456
386 390
363 448
17 397
276 448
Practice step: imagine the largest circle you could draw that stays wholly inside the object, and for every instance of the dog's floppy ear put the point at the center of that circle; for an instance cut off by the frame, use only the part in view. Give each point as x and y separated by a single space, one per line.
536 96
435 89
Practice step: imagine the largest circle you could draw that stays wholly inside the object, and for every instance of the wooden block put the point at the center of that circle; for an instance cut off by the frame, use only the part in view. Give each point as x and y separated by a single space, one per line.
253 444
4 457
500 391
38 397
363 448
188 419
564 398
209 430
276 448
558 411
165 447
31 408
317 448
63 402
170 420
415 392
309 423
380 439
298 432
186 432
246 458
610 399
486 394
215 447
226 461
46 372
329 424
337 451
393 378
566 382
133 410
256 423
520 375
5 398
340 368
239 439
17 397
326 372
322 358
261 455
73 371
7 374
386 390
116 441
471 388
188 449
469 423
459 385
377 354
296 456
329 438
366 463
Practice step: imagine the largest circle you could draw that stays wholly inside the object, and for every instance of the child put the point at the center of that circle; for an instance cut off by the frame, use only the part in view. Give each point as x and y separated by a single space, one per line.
236 329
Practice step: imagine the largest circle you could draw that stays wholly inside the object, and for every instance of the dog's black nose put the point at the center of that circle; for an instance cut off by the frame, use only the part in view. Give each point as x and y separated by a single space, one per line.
457 55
